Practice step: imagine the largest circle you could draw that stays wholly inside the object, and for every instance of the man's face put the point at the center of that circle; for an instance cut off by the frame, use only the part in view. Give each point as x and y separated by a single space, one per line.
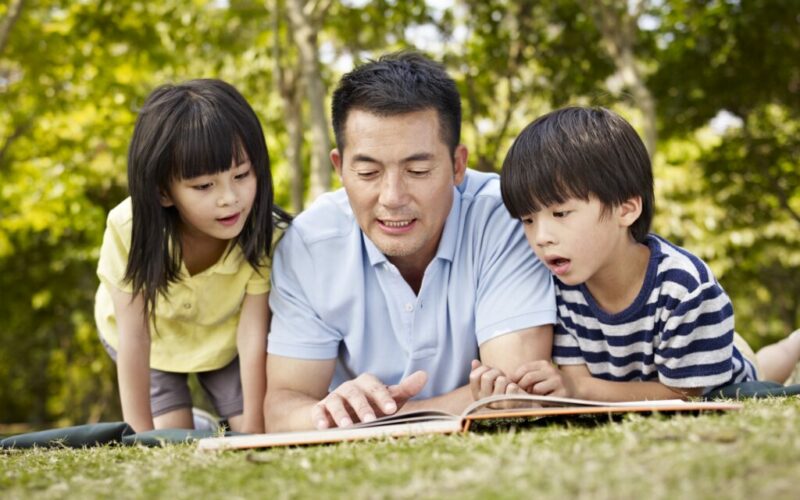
399 178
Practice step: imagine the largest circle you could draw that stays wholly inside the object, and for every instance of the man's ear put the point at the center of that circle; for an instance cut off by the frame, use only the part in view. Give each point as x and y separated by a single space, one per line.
165 199
336 159
459 163
629 211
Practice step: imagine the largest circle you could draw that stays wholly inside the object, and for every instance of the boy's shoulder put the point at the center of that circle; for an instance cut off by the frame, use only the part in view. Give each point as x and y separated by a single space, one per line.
676 264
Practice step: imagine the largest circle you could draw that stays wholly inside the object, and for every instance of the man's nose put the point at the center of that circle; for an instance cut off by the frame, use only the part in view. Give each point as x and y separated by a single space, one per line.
394 192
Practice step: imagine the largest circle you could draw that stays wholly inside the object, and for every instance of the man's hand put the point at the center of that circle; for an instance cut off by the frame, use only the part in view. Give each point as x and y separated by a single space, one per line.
365 398
485 381
543 378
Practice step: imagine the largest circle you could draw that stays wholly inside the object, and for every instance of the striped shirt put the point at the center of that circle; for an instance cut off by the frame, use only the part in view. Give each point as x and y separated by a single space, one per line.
678 330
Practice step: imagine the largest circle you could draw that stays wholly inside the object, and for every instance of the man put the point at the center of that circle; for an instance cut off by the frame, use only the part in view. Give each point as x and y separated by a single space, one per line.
386 290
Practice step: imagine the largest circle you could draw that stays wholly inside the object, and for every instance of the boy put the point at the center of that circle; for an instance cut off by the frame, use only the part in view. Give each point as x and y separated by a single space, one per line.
639 318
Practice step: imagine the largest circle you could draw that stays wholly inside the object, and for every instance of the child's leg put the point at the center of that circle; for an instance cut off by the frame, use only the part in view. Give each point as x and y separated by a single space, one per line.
170 400
224 388
777 361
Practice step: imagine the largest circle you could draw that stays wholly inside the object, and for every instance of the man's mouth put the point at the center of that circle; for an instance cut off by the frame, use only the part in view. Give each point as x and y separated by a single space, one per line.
396 223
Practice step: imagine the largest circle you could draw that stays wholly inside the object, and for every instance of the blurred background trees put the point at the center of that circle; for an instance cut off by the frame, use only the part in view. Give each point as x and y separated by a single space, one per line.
713 86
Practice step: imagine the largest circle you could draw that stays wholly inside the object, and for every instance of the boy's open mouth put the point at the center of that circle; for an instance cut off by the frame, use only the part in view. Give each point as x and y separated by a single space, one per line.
559 265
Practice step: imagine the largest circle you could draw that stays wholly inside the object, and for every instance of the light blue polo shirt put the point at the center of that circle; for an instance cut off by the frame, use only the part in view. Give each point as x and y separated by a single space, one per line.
335 295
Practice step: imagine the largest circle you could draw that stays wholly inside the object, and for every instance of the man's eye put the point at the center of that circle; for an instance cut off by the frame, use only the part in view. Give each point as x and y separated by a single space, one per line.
419 173
368 174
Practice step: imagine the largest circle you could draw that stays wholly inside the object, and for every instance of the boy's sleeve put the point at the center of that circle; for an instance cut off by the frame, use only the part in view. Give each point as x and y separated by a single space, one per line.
696 343
566 349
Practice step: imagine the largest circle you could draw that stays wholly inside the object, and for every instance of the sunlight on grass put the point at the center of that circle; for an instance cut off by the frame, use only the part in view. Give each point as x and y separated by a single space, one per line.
751 454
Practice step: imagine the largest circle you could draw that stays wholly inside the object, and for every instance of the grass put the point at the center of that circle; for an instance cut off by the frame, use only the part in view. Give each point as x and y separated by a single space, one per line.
754 453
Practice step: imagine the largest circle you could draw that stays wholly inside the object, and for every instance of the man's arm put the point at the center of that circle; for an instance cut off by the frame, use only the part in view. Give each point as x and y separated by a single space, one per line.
297 397
504 354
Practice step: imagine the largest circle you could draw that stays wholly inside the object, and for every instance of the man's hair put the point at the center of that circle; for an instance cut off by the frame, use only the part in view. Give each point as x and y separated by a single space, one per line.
396 84
577 153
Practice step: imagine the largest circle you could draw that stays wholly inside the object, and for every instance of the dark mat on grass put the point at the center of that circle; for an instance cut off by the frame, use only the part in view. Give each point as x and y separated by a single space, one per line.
754 389
80 436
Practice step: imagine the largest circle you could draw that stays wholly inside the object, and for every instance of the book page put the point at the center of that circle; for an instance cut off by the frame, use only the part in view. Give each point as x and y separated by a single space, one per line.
534 401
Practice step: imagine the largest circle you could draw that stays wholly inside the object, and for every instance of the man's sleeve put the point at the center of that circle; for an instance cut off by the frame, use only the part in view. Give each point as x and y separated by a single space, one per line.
515 290
296 330
696 344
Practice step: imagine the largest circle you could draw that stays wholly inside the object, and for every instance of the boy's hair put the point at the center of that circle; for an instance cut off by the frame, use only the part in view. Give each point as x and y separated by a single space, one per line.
186 130
396 84
577 153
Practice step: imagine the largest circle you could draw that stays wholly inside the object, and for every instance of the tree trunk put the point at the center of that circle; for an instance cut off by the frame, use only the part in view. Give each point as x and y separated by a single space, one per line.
14 10
291 91
305 20
618 29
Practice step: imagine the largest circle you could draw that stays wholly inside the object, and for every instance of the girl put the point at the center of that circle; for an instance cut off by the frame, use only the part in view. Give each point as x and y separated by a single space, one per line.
184 265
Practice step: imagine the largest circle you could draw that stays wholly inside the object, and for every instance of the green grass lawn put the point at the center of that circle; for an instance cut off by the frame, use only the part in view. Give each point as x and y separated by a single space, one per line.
754 453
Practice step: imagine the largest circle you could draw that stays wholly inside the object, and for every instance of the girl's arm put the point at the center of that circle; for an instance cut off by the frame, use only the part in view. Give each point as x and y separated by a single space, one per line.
133 359
251 342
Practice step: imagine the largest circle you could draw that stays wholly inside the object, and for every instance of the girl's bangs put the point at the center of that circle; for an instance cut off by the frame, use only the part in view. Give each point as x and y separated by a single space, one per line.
205 145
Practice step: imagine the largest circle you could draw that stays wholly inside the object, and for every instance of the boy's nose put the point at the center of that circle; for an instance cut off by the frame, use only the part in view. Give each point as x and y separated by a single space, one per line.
544 237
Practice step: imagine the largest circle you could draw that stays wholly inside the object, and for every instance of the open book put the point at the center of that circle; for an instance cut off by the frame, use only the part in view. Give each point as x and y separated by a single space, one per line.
421 422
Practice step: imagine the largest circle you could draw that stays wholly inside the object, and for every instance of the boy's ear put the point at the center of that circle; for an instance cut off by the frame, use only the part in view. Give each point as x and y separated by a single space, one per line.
629 211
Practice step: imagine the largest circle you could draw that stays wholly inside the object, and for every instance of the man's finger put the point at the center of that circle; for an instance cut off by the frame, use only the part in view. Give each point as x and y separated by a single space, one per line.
408 388
334 404
320 417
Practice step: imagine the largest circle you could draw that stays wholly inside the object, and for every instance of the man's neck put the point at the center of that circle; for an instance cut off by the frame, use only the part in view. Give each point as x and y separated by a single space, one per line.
412 269
617 285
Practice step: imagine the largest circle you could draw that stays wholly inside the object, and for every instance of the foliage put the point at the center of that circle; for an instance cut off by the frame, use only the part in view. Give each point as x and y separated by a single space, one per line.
73 74
752 454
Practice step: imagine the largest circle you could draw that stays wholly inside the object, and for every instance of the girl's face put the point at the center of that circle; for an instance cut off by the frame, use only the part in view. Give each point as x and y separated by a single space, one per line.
214 206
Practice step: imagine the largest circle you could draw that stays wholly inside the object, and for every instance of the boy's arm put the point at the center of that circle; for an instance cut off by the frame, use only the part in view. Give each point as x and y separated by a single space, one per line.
589 387
251 343
133 359
575 381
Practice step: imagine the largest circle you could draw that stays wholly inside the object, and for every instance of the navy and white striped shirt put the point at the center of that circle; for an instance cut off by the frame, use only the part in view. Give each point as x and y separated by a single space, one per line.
678 331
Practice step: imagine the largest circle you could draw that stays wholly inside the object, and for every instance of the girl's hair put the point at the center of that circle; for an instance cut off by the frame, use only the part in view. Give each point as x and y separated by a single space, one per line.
574 153
187 130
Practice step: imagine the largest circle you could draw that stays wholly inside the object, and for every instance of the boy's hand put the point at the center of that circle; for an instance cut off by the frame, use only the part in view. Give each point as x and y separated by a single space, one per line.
485 381
544 378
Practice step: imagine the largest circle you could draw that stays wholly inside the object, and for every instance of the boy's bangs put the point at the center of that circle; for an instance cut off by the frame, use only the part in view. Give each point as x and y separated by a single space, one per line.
205 145
527 190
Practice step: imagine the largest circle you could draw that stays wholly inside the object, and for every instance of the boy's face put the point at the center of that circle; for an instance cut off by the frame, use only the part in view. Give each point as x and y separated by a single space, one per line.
578 240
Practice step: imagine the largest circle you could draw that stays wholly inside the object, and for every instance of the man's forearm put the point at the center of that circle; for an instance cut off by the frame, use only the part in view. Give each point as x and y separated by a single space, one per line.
286 410
452 402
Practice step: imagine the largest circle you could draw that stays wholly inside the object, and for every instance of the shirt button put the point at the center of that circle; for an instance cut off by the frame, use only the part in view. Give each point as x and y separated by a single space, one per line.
187 306
409 307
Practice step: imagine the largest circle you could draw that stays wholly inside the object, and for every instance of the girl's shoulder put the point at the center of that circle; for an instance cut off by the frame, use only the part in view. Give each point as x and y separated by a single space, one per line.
121 215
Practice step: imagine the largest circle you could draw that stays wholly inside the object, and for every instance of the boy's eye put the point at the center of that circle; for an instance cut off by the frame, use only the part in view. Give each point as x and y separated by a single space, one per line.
526 221
560 213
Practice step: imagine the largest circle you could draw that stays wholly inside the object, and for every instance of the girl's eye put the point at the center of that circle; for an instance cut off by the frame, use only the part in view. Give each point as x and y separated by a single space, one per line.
242 175
202 187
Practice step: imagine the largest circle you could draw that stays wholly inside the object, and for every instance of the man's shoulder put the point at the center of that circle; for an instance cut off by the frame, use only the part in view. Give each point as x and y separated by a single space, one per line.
328 218
481 186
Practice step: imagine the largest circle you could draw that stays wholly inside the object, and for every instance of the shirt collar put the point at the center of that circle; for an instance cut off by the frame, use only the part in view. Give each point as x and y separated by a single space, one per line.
447 244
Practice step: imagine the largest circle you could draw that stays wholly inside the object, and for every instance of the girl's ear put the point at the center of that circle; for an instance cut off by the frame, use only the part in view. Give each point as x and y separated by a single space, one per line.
165 199
629 211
